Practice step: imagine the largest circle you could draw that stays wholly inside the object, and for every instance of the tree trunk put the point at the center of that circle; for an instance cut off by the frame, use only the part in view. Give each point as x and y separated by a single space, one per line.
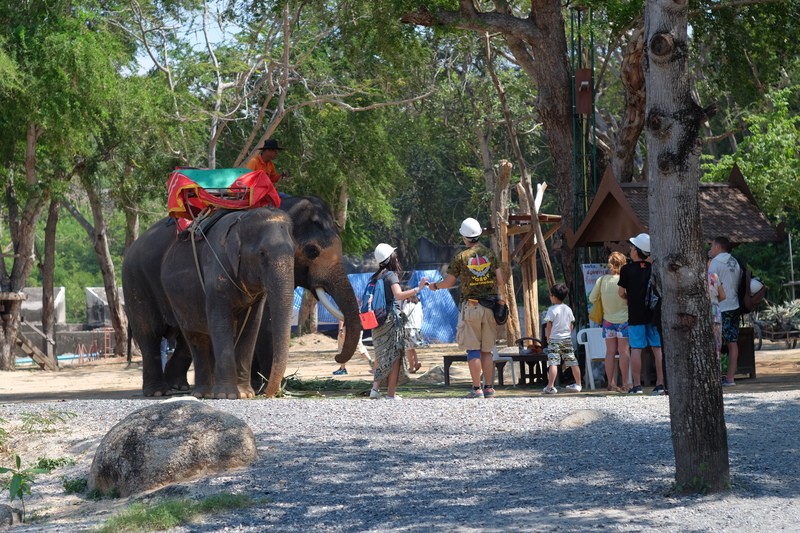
23 234
673 122
341 207
131 226
48 285
501 194
633 119
99 236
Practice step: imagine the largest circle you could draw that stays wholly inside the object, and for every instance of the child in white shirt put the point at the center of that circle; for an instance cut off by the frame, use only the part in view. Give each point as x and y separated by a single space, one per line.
560 321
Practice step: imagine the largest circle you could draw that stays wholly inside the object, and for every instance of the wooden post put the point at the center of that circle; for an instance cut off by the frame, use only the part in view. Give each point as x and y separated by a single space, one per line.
501 193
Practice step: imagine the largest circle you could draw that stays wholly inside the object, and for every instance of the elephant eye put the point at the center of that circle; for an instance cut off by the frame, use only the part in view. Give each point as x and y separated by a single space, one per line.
311 251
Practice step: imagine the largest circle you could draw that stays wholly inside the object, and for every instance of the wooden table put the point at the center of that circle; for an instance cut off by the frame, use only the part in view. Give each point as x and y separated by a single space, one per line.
532 368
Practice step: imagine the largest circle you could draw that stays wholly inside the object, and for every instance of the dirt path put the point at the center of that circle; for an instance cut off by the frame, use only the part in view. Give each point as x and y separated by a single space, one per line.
312 358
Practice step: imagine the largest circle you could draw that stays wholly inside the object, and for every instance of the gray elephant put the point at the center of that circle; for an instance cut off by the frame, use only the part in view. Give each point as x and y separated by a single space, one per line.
318 267
212 302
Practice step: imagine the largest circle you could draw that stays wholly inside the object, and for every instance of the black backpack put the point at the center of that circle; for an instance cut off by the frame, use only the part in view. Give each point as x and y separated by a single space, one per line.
749 300
652 301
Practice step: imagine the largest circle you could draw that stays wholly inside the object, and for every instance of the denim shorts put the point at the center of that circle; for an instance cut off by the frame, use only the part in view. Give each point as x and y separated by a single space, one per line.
615 331
644 335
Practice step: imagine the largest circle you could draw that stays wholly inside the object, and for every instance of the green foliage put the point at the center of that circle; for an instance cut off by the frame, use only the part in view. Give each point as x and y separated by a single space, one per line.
770 262
168 514
769 155
19 485
745 49
4 435
75 485
44 422
781 317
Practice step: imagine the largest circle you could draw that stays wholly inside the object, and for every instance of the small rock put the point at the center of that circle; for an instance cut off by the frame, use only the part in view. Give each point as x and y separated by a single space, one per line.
581 417
9 516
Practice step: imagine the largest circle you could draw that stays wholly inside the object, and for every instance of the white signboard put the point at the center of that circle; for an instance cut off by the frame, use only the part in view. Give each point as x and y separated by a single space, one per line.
591 273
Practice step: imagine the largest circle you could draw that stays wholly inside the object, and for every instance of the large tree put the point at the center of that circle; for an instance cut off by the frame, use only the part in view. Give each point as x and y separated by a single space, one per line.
42 120
536 39
673 121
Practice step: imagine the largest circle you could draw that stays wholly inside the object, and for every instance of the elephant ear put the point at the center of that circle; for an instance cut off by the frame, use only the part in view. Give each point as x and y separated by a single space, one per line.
233 246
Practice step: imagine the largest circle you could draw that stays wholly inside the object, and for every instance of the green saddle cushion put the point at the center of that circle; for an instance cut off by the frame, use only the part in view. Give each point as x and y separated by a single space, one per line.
218 178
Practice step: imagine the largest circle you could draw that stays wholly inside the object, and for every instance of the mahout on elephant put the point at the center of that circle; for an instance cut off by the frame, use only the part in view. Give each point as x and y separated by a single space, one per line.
212 294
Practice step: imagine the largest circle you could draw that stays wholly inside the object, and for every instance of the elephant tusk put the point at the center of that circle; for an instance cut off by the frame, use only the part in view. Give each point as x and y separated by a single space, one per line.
325 300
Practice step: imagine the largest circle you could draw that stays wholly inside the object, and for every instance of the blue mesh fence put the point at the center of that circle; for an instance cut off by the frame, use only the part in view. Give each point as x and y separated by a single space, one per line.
439 310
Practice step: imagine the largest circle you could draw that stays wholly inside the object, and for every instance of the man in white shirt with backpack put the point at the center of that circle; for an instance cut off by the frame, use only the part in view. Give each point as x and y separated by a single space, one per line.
727 269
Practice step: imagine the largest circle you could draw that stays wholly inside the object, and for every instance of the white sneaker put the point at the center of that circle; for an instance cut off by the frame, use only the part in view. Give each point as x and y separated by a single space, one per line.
395 397
574 387
549 390
374 394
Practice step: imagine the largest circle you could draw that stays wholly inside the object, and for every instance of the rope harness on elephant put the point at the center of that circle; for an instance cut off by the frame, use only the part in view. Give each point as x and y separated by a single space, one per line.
196 229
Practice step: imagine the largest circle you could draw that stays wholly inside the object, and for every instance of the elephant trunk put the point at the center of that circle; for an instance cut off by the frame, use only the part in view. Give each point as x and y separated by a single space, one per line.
280 295
339 288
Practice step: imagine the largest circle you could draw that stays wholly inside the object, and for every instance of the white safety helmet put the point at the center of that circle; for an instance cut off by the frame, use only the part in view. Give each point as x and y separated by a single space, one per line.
642 242
471 228
755 285
383 252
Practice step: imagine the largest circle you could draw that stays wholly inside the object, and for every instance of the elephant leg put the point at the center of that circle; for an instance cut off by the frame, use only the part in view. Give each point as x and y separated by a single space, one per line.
262 357
244 353
178 366
203 357
223 329
153 382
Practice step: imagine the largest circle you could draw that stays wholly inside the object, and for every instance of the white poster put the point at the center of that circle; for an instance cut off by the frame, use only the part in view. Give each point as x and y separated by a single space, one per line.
591 273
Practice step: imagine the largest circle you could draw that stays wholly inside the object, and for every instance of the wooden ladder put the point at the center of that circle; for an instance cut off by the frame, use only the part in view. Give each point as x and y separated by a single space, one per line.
32 351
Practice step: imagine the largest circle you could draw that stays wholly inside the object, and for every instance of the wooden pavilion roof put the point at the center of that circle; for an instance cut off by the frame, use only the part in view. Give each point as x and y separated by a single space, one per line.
620 211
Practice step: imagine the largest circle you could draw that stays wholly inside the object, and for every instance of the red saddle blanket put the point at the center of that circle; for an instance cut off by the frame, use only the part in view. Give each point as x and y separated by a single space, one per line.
192 190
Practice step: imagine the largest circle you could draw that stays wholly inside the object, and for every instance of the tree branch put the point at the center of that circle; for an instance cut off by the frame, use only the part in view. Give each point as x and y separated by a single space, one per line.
469 18
77 215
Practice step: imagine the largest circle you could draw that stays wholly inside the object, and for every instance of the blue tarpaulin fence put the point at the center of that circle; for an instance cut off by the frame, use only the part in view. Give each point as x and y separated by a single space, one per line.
439 310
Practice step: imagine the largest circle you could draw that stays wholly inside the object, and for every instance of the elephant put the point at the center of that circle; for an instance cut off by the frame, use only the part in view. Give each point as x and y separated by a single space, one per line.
318 267
211 295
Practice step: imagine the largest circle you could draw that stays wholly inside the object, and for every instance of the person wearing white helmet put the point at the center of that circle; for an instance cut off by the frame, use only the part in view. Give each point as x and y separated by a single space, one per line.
642 332
481 277
389 338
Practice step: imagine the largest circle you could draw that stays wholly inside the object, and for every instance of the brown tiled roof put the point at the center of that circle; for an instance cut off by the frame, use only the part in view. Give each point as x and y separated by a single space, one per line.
724 210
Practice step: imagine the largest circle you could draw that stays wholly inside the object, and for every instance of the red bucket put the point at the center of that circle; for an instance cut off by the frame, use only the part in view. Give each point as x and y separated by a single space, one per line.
368 320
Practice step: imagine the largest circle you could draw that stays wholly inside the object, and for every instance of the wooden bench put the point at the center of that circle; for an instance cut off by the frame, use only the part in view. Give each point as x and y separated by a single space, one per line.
532 368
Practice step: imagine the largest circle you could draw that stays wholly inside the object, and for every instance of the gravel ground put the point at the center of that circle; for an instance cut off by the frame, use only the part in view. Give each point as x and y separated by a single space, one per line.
563 463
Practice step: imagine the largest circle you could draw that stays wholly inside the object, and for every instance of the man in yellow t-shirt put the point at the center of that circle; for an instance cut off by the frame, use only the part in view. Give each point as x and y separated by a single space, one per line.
263 160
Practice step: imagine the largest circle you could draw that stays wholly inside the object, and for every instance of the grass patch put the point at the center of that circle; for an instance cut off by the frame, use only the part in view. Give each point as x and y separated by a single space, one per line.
45 463
44 422
167 514
327 384
75 485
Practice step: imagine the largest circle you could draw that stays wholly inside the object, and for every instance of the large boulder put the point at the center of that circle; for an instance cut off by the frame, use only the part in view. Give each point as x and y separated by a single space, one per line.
169 442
